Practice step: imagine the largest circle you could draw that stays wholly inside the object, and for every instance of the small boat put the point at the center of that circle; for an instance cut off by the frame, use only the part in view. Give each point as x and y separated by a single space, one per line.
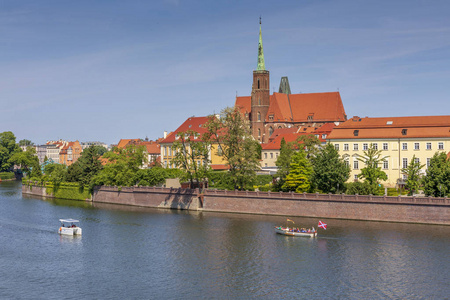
69 227
295 231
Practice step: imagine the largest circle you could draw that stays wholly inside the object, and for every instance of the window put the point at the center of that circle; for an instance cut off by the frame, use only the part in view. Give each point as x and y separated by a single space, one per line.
271 118
259 132
441 146
324 136
355 132
365 146
347 163
375 146
428 146
355 147
259 116
276 155
259 101
428 162
258 83
165 151
271 155
386 164
404 131
405 177
416 146
356 165
385 146
265 165
270 131
345 147
265 155
355 177
417 160
405 163
336 146
405 146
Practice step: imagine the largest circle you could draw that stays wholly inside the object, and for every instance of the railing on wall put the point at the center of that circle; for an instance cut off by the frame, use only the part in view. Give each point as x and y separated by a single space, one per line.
329 197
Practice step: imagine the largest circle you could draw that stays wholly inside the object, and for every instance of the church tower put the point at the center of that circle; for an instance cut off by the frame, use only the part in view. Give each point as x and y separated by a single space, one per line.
260 95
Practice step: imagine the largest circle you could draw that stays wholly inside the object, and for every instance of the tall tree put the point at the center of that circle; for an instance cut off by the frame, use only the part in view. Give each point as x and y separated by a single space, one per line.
231 132
309 143
412 171
28 161
122 167
8 147
25 142
192 156
372 172
330 171
299 177
437 179
283 162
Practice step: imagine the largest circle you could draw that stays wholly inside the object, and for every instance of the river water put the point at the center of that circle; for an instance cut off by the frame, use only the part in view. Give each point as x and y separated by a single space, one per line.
136 253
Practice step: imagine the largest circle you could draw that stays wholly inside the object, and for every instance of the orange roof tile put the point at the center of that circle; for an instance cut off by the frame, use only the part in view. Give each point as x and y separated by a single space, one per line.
196 124
124 142
393 127
244 104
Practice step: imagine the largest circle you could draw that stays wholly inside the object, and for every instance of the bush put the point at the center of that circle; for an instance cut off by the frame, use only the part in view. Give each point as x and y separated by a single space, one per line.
7 175
363 188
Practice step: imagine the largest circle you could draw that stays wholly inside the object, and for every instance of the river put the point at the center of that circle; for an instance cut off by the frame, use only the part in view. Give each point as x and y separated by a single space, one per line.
140 253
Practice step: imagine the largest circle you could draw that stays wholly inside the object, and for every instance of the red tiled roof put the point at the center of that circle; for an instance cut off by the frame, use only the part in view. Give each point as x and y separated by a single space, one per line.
196 124
124 142
244 104
298 107
393 127
151 146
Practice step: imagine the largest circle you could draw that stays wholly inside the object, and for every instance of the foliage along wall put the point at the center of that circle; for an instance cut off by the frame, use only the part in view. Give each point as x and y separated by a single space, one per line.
65 190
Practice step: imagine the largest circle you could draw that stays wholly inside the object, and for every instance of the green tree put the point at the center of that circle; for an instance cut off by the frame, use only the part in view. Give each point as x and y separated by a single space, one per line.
436 182
192 156
412 171
309 143
330 171
231 132
89 164
300 172
8 148
28 162
372 172
151 177
74 172
122 167
25 142
58 174
283 162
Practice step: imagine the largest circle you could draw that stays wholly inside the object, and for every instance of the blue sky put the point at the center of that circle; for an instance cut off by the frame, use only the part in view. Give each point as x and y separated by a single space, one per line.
105 70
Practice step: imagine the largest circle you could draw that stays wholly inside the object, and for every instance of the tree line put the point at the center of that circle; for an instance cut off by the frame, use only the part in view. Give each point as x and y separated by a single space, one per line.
303 165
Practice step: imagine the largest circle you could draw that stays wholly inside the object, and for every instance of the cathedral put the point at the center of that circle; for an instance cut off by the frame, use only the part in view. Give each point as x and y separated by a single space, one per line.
267 112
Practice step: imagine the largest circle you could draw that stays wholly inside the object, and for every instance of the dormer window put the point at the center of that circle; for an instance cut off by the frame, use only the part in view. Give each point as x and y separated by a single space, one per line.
355 132
270 117
310 117
404 131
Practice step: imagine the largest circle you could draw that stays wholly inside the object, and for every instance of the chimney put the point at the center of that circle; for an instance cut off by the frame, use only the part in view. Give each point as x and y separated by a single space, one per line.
165 134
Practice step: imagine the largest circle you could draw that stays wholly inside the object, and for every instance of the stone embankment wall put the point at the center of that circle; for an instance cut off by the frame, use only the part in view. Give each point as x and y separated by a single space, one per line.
374 208
148 197
426 210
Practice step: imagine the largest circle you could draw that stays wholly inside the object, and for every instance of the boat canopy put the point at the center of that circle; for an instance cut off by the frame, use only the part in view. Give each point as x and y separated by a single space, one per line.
69 220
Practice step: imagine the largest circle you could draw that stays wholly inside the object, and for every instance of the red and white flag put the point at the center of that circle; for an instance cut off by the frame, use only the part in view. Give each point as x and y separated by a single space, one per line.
322 225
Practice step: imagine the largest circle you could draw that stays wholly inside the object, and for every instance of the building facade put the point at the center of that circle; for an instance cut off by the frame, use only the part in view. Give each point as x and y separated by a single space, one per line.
401 139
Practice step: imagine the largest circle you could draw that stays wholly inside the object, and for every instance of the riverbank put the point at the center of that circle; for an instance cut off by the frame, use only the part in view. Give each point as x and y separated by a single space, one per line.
426 210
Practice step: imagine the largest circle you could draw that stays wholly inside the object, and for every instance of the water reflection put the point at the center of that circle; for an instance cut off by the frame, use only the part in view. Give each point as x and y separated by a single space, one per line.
133 252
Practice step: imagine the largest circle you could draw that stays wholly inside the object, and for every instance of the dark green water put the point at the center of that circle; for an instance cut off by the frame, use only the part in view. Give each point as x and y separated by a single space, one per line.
135 253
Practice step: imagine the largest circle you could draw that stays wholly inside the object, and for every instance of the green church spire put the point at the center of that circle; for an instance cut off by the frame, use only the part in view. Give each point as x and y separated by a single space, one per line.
261 64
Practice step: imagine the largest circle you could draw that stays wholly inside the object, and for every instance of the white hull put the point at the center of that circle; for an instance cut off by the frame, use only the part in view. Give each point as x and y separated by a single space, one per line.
285 231
70 230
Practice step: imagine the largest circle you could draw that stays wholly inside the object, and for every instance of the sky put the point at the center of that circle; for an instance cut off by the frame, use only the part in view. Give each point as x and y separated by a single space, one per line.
103 70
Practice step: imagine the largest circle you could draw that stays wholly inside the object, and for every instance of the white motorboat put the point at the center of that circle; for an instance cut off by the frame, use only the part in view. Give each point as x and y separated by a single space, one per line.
69 227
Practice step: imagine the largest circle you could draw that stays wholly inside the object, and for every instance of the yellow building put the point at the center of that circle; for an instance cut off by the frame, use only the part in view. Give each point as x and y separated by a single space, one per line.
399 138
196 124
